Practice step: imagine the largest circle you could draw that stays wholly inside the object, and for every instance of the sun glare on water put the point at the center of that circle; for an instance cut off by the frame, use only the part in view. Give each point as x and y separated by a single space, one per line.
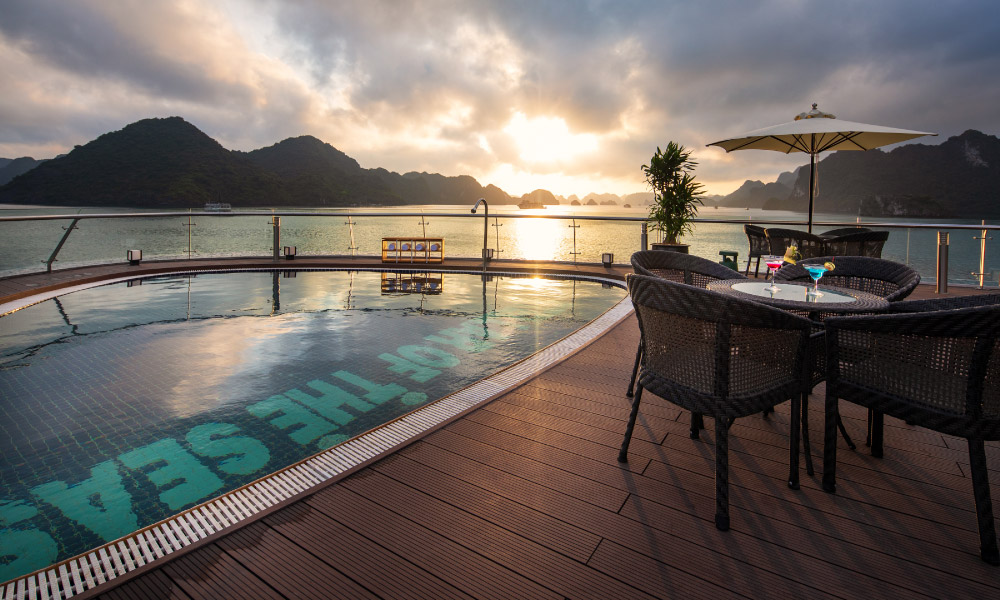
537 239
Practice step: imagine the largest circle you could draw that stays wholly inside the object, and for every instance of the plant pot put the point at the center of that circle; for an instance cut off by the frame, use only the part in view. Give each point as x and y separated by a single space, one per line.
682 248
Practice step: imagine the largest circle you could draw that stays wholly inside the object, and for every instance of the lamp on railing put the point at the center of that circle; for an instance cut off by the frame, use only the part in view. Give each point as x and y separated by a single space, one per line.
134 257
607 259
289 252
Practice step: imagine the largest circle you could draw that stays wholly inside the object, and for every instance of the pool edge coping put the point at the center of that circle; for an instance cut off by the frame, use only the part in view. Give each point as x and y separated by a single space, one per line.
117 561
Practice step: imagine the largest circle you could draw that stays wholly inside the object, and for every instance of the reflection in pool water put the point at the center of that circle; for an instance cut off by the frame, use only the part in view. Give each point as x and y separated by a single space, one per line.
124 404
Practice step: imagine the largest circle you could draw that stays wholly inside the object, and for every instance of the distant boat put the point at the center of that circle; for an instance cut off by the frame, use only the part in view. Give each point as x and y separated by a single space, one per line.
530 204
218 207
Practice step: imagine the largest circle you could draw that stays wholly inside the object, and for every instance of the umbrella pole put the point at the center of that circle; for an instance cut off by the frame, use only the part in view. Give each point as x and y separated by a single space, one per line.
812 185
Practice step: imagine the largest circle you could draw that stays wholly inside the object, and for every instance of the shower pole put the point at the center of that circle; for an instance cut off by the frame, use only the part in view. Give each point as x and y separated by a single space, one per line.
486 227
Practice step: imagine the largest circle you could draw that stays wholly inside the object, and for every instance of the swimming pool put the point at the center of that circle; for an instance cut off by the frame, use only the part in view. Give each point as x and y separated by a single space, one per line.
126 403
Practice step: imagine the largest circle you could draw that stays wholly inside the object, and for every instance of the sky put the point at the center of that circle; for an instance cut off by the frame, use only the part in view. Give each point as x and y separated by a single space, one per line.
572 96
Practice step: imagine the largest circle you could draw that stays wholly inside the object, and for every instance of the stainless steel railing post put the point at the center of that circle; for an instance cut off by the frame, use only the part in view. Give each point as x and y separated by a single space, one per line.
52 258
574 227
982 255
942 264
276 226
644 237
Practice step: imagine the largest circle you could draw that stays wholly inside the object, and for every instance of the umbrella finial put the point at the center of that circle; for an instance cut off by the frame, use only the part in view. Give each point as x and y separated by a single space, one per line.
814 113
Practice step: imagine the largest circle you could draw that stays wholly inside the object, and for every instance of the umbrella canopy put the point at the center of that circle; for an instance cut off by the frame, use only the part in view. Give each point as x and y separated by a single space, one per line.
814 132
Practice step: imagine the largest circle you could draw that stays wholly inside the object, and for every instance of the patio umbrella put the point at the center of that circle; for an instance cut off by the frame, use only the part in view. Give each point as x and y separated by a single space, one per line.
814 132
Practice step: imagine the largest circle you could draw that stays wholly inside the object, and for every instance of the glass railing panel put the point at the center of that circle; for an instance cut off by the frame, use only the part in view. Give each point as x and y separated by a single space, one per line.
220 235
98 241
28 244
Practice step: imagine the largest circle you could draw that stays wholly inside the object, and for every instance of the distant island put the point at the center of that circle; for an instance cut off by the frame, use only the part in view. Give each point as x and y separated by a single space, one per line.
538 199
170 163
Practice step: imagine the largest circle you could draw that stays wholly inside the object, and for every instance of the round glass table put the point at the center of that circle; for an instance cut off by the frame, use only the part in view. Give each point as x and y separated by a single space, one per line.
799 296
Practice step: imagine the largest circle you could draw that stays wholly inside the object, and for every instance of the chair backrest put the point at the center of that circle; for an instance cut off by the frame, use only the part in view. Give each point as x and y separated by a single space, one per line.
758 240
700 344
890 280
952 302
939 368
680 267
779 240
860 243
842 231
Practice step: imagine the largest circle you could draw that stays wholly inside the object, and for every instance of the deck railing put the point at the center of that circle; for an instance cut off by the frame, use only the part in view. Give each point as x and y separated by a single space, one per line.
36 242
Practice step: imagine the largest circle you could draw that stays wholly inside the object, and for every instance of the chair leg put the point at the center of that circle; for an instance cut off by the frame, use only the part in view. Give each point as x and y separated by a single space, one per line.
635 370
830 444
805 434
697 424
984 506
794 435
623 453
843 432
756 269
868 436
877 421
722 472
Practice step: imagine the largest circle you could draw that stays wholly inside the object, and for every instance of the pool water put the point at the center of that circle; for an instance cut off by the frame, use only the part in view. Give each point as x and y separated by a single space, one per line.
123 404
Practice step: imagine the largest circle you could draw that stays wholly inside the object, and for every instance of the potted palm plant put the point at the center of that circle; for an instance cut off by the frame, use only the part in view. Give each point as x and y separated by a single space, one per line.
676 195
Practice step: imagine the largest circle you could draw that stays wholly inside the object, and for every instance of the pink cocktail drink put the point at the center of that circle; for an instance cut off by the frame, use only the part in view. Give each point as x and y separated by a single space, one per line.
773 264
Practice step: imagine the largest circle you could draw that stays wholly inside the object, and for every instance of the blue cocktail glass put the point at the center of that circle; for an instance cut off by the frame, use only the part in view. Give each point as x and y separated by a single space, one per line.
816 272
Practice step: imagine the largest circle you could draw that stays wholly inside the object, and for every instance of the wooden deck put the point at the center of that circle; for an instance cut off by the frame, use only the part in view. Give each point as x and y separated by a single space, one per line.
524 498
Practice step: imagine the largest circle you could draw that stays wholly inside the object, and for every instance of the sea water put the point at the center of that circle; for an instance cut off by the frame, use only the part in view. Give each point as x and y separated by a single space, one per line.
26 246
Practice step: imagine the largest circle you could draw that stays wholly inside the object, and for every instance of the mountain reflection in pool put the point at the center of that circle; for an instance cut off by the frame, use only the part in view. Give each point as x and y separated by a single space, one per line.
126 403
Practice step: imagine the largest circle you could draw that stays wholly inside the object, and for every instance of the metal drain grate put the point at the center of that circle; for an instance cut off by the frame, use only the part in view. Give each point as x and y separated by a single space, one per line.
117 558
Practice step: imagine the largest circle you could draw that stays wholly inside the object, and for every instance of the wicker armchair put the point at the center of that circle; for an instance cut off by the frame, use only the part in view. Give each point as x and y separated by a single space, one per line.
809 245
719 356
758 246
842 231
860 243
679 267
891 280
972 300
938 369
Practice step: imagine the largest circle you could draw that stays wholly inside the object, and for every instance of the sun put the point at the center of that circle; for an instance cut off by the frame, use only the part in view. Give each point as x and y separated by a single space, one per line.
547 139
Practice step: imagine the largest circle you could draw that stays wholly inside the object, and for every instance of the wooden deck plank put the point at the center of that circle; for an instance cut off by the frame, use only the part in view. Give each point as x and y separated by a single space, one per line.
813 553
210 573
522 520
565 576
685 555
384 573
429 549
956 495
154 584
896 470
285 565
702 509
661 579
578 485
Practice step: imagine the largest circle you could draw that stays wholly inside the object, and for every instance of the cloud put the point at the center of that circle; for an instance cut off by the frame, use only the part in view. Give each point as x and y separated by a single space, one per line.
436 85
